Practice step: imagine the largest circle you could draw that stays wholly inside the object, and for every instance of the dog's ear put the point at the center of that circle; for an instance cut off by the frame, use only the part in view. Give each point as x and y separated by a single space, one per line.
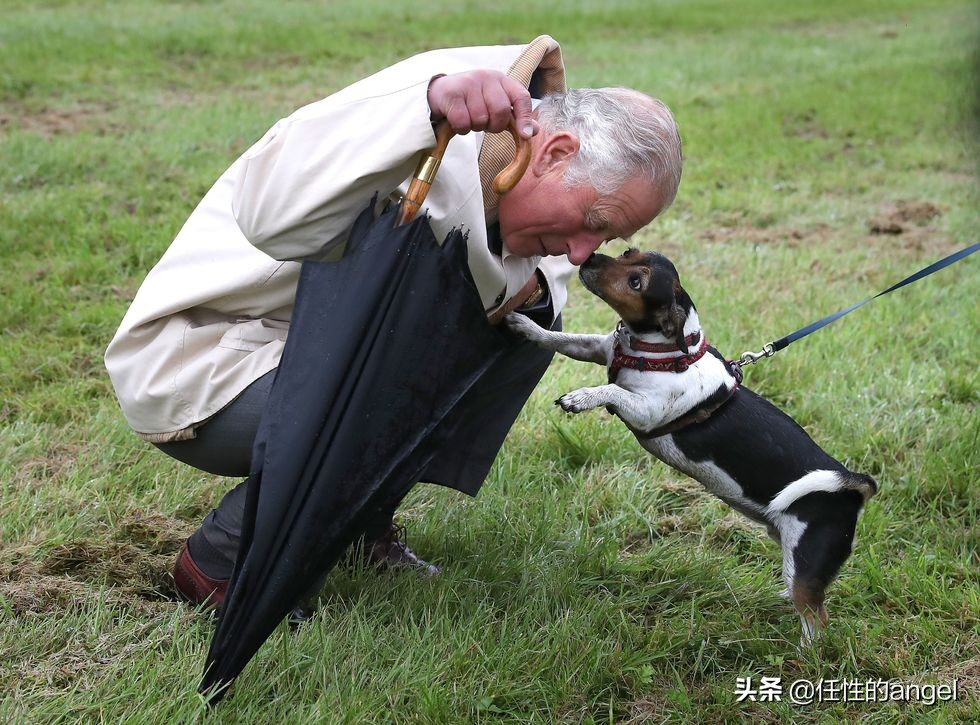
673 326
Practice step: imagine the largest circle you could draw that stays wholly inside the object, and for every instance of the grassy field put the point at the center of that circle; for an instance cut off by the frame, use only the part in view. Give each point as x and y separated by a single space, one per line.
831 149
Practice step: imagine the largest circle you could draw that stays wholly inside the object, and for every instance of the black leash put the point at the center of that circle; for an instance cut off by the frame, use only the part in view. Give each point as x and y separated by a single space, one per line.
775 346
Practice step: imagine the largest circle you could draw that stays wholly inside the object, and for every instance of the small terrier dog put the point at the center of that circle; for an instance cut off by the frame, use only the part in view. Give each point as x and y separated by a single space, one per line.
685 405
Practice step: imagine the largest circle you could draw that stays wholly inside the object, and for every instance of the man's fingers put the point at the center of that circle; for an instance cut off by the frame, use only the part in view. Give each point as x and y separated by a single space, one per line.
520 100
478 109
498 105
481 101
458 116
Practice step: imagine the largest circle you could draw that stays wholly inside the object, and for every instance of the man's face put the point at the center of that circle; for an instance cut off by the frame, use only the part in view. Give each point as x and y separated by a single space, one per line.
540 217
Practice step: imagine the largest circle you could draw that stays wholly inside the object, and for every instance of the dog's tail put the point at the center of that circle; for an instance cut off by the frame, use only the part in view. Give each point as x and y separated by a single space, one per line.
860 482
825 481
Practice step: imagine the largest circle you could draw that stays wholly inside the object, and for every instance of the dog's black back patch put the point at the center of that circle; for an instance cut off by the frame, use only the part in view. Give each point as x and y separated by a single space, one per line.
756 444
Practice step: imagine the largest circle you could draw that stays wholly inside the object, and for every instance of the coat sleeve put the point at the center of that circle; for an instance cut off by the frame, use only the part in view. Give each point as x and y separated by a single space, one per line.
300 187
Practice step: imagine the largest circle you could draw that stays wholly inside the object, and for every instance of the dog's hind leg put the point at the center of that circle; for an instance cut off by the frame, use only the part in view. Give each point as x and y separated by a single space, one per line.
816 557
803 586
808 598
815 517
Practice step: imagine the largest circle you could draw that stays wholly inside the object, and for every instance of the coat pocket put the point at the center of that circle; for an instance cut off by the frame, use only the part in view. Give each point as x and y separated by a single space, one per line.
249 335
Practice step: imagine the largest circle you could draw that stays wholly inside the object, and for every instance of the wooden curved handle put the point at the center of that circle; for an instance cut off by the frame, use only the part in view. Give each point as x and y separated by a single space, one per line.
425 173
512 173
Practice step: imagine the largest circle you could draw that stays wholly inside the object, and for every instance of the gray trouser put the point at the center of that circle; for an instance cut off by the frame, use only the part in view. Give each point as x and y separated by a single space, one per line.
478 426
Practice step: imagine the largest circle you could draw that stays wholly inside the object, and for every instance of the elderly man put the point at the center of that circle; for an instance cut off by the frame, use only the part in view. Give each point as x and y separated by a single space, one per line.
193 360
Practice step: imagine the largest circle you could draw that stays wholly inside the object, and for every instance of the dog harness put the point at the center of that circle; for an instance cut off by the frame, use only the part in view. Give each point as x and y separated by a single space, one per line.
673 364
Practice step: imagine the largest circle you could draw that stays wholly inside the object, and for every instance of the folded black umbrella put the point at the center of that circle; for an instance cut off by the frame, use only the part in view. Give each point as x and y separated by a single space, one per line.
382 345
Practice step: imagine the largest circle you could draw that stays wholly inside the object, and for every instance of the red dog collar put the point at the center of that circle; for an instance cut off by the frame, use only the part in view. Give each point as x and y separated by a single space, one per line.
653 364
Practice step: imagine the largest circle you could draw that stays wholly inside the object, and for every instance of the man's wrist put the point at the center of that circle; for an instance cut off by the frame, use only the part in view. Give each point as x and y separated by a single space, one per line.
433 116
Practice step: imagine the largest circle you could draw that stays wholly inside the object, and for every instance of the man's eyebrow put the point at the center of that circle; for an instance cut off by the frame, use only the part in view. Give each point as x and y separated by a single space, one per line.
596 219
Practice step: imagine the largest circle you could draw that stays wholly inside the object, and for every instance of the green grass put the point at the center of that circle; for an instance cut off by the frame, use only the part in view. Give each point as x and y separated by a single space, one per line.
588 582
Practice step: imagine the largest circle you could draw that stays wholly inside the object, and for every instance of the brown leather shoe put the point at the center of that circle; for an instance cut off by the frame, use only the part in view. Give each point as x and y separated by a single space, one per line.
389 551
196 587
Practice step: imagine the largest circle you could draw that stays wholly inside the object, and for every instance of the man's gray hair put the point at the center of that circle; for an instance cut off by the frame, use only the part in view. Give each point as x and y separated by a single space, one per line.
623 134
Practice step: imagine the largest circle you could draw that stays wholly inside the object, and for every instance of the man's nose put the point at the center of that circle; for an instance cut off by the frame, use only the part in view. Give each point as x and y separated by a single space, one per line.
582 246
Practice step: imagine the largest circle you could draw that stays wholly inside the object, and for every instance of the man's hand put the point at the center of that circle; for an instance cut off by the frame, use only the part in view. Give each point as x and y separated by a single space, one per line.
481 100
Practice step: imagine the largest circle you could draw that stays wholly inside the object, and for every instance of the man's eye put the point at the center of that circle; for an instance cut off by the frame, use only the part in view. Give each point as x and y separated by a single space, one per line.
634 281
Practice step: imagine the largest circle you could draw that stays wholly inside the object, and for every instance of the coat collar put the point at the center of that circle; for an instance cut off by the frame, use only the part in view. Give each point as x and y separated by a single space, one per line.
541 62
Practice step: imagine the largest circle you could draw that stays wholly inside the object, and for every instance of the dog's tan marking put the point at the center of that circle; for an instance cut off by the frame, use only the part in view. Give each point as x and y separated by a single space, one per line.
612 284
808 600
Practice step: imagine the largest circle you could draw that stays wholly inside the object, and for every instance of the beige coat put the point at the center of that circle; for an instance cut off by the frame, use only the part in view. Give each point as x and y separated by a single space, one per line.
213 314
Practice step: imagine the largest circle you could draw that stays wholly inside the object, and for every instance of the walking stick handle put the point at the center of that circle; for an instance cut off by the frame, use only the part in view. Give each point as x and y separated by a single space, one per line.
425 172
512 173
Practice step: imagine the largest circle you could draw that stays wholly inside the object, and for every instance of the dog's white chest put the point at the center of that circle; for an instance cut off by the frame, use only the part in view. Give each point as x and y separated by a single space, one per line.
671 394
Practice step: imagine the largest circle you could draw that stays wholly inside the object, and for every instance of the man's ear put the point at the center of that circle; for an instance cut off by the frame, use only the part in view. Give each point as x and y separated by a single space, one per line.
554 152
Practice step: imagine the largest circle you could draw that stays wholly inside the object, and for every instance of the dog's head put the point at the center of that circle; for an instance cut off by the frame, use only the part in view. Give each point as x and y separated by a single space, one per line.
644 288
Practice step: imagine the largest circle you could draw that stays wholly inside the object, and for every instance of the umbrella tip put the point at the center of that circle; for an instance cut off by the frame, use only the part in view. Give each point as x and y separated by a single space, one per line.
213 690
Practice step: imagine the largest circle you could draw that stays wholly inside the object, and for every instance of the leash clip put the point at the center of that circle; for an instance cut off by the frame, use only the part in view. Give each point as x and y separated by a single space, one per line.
753 357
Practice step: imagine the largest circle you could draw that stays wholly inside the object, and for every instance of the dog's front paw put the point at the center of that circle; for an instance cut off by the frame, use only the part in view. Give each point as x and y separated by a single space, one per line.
523 326
579 400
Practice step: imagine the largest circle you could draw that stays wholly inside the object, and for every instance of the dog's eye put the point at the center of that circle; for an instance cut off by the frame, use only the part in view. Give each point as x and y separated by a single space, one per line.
634 281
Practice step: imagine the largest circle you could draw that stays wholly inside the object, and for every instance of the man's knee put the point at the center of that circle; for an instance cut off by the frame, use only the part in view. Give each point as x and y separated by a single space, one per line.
223 445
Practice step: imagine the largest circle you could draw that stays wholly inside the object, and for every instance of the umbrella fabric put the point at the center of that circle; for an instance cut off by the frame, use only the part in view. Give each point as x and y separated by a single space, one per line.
382 344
